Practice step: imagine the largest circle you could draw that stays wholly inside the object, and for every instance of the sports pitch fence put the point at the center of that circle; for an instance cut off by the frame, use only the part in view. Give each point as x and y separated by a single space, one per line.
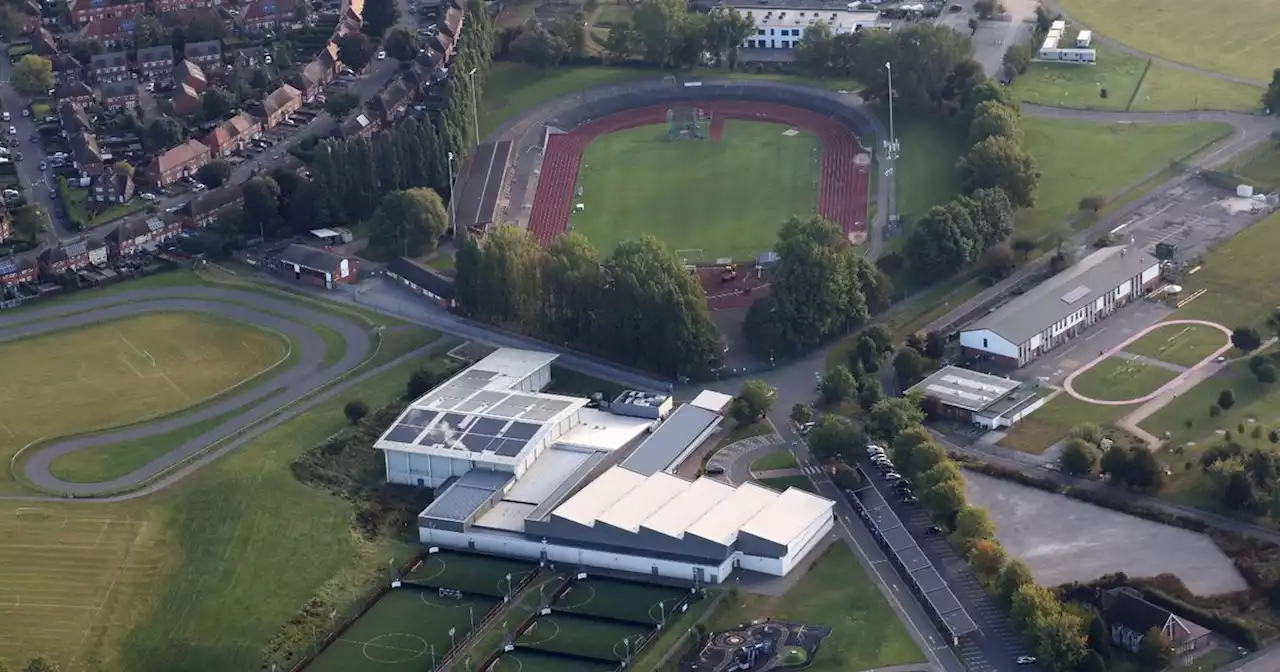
471 574
626 601
529 660
584 637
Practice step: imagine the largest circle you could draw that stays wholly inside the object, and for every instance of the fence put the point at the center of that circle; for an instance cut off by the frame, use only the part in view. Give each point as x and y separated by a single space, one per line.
676 647
485 622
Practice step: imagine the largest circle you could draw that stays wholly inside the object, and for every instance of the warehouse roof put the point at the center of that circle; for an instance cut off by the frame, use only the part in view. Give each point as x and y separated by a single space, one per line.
506 515
462 498
634 507
670 440
962 388
601 430
599 495
784 518
1065 293
546 474
722 522
681 511
711 400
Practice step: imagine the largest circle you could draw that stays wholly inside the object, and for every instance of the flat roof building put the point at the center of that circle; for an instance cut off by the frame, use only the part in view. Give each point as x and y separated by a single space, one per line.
985 400
1061 307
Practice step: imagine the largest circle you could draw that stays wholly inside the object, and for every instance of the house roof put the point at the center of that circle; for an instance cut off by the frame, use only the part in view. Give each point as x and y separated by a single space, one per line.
1065 293
189 72
163 52
313 74
432 282
135 227
310 257
65 62
962 388
108 26
279 98
14 265
186 99
63 252
203 49
395 94
67 92
269 10
180 156
121 89
214 199
84 146
243 123
670 440
43 42
117 179
110 59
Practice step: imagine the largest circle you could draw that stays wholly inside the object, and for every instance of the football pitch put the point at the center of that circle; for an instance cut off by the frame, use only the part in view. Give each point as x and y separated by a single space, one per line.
588 638
622 600
706 199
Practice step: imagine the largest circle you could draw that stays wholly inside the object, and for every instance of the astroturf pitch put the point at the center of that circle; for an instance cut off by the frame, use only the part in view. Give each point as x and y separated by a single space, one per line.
602 641
706 199
470 573
405 630
529 660
635 602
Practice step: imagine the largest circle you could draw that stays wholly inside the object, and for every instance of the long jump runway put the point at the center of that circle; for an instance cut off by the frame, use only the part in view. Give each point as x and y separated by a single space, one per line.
268 396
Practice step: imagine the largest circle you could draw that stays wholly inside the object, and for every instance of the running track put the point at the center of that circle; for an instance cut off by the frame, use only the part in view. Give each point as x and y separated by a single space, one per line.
843 192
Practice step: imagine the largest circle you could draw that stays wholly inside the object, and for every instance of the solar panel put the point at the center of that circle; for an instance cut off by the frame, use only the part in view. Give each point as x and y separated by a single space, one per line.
454 421
959 622
487 426
943 601
511 408
928 580
404 434
521 430
913 559
509 448
418 417
476 444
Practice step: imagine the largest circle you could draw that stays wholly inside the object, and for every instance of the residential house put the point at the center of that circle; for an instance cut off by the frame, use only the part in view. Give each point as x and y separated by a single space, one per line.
111 31
186 100
112 186
1129 618
72 118
179 162
191 74
156 63
66 257
450 28
85 152
112 66
141 232
315 266
168 6
247 59
232 135
281 103
85 11
118 96
204 54
43 43
98 253
422 281
204 210
391 102
357 123
14 270
264 16
66 69
310 80
78 93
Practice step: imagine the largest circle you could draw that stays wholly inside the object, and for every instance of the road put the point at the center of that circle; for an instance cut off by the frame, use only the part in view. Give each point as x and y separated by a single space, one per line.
34 182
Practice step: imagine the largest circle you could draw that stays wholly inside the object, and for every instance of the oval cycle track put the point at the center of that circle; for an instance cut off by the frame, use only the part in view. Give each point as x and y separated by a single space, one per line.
268 395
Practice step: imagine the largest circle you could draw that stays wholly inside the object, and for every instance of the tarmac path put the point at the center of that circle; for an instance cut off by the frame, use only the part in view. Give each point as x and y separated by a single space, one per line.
278 389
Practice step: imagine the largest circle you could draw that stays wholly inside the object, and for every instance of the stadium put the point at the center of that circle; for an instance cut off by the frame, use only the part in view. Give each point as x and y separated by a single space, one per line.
528 475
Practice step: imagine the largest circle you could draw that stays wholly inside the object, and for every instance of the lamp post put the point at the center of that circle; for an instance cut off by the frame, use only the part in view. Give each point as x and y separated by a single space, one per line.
451 222
893 139
475 115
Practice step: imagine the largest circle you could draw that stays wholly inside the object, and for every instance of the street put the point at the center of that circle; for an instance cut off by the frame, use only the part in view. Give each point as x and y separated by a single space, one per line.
35 184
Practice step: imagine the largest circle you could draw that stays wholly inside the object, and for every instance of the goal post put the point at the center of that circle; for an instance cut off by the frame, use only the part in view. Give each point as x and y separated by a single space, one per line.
688 123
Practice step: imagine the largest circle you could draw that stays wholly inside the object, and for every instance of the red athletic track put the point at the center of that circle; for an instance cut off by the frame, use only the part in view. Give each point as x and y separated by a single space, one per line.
842 197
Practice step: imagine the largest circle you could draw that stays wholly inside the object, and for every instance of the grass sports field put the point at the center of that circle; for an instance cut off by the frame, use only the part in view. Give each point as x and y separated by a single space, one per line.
623 600
1120 379
125 371
593 639
1240 42
1181 344
706 199
532 660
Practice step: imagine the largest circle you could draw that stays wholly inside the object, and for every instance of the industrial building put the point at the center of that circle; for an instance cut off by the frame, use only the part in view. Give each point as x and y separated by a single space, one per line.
521 473
1061 307
986 401
781 23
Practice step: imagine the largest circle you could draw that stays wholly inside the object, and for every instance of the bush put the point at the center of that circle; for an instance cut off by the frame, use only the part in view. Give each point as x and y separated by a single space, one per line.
1226 399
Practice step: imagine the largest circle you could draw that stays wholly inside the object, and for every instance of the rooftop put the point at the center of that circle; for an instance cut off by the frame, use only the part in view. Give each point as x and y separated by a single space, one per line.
310 257
667 444
681 511
962 388
598 495
601 430
777 521
722 521
711 400
635 506
1065 293
546 474
460 499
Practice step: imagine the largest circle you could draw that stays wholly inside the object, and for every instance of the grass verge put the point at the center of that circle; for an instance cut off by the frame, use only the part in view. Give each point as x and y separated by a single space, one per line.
1036 432
779 460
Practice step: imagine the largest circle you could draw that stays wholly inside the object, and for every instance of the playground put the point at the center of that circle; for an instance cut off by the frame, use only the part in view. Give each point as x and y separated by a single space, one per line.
761 645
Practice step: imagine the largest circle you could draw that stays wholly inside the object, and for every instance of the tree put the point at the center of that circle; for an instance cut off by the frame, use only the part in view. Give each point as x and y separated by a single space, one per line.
1017 58
943 500
40 665
925 58
1115 463
149 32
869 393
621 42
988 89
162 133
1144 471
943 240
1155 651
815 48
894 415
261 205
1099 640
1023 246
942 471
1246 338
838 385
33 75
801 413
340 103
1013 576
1079 457
973 524
992 215
994 119
727 29
1226 399
909 366
660 26
987 8
1238 493
904 445
988 559
834 436
539 46
355 410
216 103
355 50
378 16
755 399
409 222
1271 98
402 44
11 23
214 174
1001 162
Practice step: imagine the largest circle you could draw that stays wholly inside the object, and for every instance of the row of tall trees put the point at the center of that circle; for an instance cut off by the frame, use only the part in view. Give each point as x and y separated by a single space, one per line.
636 306
821 288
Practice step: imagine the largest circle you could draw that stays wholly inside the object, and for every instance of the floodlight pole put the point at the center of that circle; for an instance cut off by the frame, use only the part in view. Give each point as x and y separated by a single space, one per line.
475 115
451 199
893 139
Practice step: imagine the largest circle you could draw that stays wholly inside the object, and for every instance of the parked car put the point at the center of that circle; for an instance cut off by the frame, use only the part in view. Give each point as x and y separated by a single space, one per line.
13 130
1026 660
909 499
933 529
147 197
382 55
892 476
198 186
6 116
715 471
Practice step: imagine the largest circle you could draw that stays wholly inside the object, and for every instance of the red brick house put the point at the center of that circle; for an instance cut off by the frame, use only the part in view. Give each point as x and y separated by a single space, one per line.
179 162
119 95
68 257
135 233
84 11
112 186
282 102
186 100
109 67
268 15
14 270
204 210
75 92
191 74
314 266
166 6
233 134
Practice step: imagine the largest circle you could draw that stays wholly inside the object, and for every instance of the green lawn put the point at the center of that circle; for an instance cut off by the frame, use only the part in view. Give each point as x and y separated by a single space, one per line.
1242 279
1079 159
1036 432
866 633
1166 88
779 460
1119 379
926 169
706 199
200 575
678 627
513 88
1181 344
1239 42
1260 166
783 482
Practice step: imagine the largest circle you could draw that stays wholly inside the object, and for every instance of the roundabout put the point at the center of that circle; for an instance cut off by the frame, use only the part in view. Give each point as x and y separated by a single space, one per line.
307 369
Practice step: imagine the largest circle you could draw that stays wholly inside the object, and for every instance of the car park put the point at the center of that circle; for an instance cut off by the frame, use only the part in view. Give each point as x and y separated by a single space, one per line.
933 529
909 499
892 476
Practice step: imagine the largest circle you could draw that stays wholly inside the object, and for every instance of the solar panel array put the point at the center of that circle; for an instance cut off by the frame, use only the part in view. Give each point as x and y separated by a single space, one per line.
920 572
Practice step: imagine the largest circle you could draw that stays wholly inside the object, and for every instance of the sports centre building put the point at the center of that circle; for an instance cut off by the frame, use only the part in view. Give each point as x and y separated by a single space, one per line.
524 474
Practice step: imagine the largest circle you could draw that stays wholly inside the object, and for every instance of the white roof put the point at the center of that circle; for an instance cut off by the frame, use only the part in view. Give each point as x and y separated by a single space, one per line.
712 401
602 430
546 475
588 503
324 233
783 519
506 516
512 366
681 511
640 503
721 523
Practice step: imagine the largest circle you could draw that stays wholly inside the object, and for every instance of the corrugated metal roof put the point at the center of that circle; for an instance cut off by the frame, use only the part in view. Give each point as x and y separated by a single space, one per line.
599 495
634 507
461 499
783 519
687 507
669 441
721 523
